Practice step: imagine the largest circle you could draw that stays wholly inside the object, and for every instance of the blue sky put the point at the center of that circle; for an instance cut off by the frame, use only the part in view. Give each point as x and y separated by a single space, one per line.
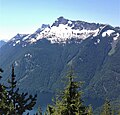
25 16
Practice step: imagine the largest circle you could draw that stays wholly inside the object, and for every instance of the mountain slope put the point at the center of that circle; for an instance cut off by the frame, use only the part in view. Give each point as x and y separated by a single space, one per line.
2 43
41 59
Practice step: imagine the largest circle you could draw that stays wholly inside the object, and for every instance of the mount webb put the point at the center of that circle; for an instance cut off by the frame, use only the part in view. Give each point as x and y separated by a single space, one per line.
41 59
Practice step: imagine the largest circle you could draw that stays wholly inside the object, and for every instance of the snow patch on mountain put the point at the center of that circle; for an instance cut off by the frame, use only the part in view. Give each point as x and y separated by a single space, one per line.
18 41
28 55
69 22
24 45
116 37
108 32
26 37
16 63
97 42
62 33
32 40
14 44
63 30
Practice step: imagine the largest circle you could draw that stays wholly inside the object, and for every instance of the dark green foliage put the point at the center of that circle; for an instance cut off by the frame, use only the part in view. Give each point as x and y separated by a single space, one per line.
69 101
119 113
5 105
1 72
11 101
107 109
21 101
39 111
90 110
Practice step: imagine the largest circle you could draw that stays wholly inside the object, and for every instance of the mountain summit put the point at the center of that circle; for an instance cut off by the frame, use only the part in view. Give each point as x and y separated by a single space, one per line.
62 31
42 58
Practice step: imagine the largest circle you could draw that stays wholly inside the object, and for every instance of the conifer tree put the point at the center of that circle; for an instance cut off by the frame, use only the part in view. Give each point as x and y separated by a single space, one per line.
119 112
69 102
39 111
90 110
21 101
107 110
1 72
1 86
5 105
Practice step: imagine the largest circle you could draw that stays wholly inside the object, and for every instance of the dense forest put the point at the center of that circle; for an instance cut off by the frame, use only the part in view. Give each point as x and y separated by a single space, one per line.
67 102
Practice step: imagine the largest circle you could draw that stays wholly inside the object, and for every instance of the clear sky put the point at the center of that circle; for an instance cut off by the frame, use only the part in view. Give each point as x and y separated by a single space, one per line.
26 16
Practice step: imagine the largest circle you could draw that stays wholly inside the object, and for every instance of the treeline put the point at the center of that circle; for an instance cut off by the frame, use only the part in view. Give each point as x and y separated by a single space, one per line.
67 102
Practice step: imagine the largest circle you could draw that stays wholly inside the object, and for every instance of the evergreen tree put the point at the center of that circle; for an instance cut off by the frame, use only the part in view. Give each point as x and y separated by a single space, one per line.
107 110
1 72
21 101
1 86
90 110
5 106
119 112
39 112
69 102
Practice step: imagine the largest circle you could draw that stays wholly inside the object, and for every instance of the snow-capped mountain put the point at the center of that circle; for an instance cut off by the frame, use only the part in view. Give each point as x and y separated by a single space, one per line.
41 59
63 30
